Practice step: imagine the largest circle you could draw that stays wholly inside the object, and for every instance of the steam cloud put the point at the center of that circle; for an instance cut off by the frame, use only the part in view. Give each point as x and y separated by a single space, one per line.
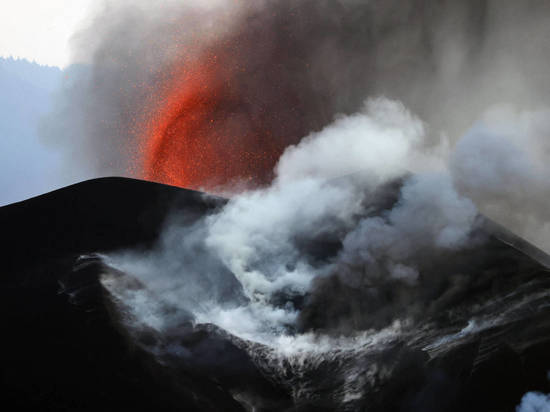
534 402
293 65
299 73
261 239
501 163
364 196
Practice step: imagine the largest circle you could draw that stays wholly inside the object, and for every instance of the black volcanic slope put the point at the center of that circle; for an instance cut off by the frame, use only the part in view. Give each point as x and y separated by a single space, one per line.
62 347
61 354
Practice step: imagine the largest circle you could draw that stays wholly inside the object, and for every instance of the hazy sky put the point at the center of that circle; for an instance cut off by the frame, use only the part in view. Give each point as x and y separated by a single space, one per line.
39 30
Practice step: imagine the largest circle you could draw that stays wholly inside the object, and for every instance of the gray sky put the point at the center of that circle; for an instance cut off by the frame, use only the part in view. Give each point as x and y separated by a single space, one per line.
28 166
39 30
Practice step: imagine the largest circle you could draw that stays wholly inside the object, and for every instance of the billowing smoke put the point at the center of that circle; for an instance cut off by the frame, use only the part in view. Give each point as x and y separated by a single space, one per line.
357 140
269 97
502 164
209 94
534 402
252 268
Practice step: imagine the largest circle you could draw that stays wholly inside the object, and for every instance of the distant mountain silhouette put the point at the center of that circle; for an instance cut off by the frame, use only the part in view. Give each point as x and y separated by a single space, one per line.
27 94
58 356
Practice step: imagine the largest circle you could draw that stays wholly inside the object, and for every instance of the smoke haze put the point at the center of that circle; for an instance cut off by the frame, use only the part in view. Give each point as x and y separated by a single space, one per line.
266 101
261 240
283 69
534 402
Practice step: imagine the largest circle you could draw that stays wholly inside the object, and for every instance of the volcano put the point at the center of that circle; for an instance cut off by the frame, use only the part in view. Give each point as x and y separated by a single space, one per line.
480 342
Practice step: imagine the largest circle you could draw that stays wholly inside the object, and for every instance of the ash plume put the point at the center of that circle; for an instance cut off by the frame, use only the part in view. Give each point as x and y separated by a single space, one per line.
264 237
360 144
502 164
323 262
269 96
283 69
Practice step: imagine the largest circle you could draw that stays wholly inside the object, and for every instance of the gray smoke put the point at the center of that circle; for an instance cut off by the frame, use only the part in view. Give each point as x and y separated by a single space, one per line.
295 76
243 267
294 65
534 402
502 164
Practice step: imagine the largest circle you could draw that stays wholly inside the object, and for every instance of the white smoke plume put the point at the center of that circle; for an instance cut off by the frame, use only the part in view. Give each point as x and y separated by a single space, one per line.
534 402
303 200
258 234
448 63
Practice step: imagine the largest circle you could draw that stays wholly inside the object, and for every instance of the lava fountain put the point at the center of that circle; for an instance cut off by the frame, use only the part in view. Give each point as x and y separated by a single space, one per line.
220 111
204 128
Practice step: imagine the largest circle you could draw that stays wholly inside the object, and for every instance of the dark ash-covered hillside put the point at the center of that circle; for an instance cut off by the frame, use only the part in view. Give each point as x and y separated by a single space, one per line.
479 337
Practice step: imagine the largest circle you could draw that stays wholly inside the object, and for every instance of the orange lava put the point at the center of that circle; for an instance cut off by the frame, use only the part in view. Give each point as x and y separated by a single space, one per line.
198 136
